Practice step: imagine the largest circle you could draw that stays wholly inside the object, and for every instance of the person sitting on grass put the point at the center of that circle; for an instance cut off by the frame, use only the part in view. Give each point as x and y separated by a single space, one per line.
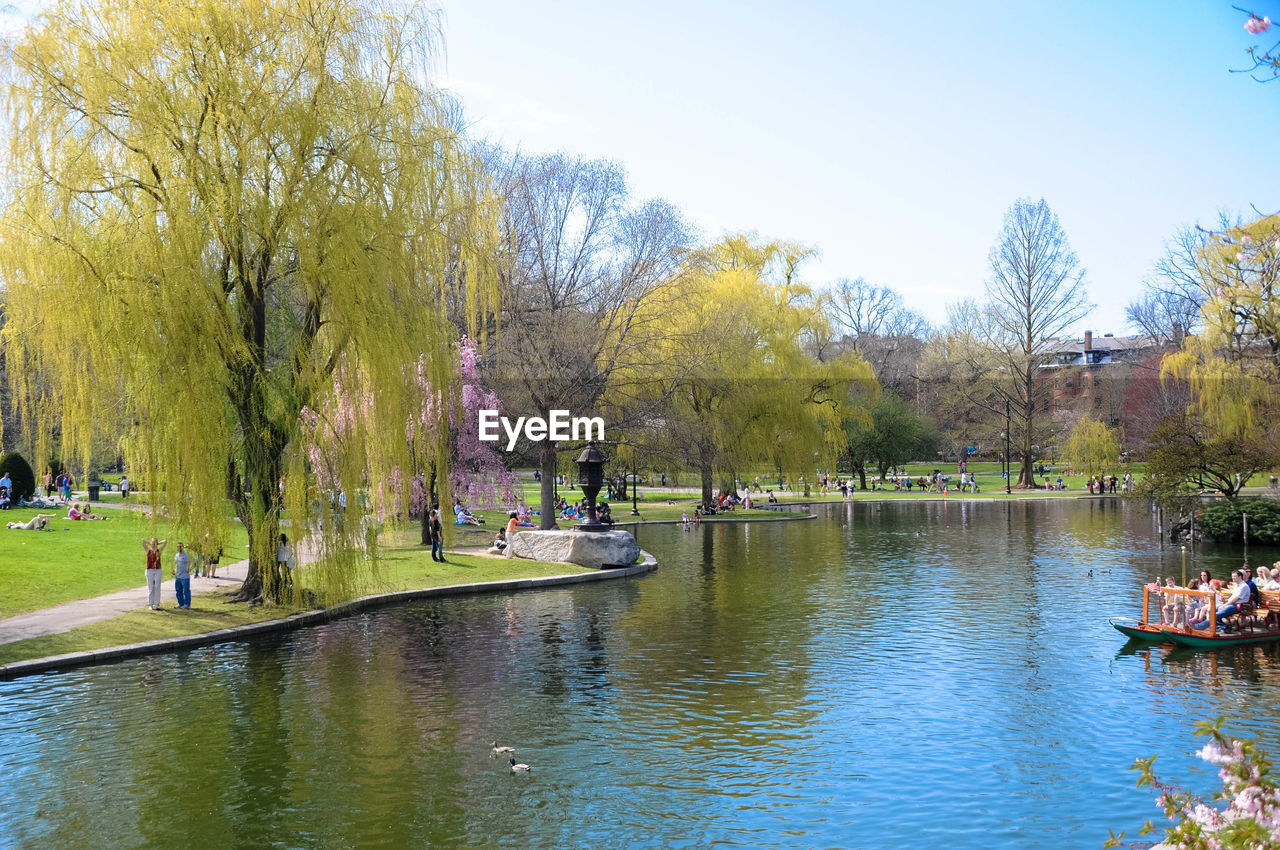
463 516
773 500
39 522
77 513
500 542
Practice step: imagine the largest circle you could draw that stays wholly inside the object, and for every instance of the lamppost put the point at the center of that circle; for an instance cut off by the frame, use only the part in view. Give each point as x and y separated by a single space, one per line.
1008 460
635 485
591 479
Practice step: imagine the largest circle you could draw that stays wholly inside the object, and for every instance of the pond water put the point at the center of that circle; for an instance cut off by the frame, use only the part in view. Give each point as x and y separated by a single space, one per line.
886 675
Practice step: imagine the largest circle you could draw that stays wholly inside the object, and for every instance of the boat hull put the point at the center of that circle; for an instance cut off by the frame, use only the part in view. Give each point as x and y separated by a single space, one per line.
1137 630
1201 641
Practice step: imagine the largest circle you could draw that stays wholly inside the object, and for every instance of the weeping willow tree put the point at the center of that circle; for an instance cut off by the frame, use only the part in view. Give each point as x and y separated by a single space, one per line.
210 209
1092 448
743 390
1233 365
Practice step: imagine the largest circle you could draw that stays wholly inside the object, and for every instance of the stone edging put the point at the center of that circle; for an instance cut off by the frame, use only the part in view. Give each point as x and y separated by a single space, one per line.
310 618
716 521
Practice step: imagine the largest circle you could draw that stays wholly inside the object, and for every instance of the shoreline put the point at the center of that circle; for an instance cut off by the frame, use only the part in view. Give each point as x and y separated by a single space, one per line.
73 660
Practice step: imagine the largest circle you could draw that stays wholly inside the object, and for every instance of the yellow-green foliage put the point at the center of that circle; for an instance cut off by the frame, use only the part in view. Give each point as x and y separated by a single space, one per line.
1231 366
747 392
212 206
1092 448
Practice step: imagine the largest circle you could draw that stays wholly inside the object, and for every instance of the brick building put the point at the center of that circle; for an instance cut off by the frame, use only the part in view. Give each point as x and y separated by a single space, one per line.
1116 379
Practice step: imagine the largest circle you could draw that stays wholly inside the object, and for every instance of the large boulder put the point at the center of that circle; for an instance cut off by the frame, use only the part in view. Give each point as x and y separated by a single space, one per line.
585 548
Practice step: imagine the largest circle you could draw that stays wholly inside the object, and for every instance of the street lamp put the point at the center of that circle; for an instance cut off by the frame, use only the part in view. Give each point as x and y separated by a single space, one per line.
1008 460
635 485
591 479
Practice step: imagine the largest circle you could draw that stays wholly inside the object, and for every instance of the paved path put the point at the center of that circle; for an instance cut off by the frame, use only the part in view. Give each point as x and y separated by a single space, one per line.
82 612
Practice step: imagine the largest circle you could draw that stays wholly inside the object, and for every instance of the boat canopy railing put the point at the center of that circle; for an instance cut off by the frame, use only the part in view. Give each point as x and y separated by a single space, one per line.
1211 595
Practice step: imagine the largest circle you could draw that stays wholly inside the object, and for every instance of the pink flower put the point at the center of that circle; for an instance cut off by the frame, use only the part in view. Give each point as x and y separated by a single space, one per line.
1246 239
1256 25
1240 257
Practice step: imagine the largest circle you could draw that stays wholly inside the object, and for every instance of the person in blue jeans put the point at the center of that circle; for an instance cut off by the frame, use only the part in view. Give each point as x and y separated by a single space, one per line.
182 576
1239 596
437 536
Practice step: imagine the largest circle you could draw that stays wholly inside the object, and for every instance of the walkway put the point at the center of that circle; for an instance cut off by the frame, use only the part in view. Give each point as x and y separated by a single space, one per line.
82 612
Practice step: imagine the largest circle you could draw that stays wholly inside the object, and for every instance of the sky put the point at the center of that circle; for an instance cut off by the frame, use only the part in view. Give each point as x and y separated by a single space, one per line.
891 137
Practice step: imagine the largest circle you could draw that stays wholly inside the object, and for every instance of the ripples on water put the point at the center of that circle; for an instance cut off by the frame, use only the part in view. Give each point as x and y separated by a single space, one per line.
883 676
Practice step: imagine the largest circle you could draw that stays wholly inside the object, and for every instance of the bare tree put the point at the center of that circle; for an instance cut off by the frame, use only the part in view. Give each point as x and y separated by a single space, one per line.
1175 291
1034 294
579 263
874 321
1164 315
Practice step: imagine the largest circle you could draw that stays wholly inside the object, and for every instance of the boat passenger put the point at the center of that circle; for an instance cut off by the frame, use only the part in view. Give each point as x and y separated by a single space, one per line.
1197 605
1239 596
1174 610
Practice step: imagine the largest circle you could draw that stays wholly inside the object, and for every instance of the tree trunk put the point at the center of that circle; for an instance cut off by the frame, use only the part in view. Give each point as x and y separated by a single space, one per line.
704 468
260 513
862 475
1026 475
263 447
547 457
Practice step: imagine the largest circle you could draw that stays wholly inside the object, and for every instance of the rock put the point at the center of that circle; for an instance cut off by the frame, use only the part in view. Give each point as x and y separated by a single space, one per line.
585 548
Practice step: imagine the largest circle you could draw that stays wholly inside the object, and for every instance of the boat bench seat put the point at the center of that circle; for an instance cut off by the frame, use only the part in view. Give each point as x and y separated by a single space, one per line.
1270 609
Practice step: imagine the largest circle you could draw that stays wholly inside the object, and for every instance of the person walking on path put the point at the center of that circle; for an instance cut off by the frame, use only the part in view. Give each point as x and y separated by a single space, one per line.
182 577
124 488
437 537
153 549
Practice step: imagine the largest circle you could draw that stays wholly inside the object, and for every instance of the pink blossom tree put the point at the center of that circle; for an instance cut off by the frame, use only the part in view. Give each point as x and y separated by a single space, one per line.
1266 62
1244 814
475 471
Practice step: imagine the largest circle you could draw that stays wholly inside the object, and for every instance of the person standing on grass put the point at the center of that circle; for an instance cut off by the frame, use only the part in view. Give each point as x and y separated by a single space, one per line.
437 537
124 488
182 576
153 549
284 555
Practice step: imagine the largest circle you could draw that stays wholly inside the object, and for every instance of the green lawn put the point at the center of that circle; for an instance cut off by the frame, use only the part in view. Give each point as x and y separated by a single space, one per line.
78 560
402 566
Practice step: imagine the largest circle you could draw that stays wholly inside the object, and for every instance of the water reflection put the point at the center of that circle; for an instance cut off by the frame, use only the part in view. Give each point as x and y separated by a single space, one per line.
777 684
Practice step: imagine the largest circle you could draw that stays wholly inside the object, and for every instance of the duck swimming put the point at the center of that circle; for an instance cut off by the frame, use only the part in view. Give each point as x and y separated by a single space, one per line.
502 751
520 768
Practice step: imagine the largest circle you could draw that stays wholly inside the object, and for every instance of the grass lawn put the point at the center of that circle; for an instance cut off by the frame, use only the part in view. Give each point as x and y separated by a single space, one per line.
78 560
403 565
